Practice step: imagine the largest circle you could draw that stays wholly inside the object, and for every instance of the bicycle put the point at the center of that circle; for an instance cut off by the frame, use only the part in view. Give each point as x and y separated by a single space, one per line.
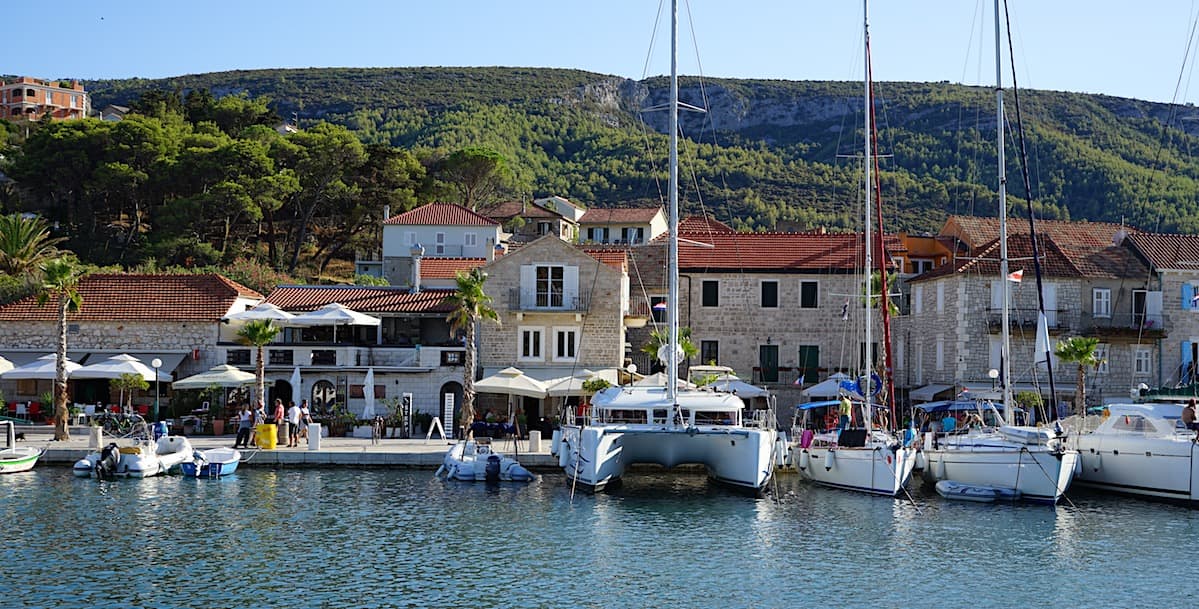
119 424
377 430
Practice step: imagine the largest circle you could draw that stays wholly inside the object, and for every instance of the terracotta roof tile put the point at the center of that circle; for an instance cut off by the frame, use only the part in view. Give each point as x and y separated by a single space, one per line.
620 215
703 225
614 257
786 252
1056 261
440 214
297 298
513 209
447 268
111 296
1168 251
978 231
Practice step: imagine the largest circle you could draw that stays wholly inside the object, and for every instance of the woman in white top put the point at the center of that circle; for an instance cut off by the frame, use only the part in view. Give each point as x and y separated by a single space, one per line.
293 422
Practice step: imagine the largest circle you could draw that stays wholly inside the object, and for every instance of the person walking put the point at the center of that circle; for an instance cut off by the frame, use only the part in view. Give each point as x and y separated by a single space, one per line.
280 415
305 419
293 425
245 419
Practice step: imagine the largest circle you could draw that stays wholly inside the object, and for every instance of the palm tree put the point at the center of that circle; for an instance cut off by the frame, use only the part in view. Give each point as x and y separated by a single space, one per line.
1081 351
661 336
258 333
60 279
471 305
25 243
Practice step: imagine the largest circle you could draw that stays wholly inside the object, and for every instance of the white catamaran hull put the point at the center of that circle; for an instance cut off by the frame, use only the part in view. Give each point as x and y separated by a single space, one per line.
879 469
1037 472
596 457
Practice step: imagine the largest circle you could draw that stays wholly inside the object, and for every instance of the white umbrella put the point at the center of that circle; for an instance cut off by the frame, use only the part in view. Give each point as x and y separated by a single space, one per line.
296 393
43 368
732 384
265 310
368 392
117 365
512 382
220 376
568 385
334 314
829 387
5 365
658 379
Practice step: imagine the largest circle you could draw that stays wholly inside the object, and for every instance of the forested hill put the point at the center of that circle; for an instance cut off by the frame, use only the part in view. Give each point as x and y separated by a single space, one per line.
769 154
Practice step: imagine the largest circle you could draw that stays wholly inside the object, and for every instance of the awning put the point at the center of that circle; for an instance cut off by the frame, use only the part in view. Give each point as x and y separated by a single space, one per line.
170 361
21 358
928 392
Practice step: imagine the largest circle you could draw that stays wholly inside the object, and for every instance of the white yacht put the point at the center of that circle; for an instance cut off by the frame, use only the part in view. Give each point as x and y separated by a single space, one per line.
1139 449
666 425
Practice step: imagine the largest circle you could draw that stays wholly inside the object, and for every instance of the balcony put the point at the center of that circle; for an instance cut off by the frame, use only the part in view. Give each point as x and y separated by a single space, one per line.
534 300
1022 319
287 356
1123 324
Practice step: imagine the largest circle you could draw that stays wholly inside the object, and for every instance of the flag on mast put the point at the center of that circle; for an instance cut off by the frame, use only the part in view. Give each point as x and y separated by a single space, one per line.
1015 276
1042 345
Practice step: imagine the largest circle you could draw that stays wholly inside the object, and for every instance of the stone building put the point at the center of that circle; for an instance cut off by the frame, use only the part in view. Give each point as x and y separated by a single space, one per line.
1174 260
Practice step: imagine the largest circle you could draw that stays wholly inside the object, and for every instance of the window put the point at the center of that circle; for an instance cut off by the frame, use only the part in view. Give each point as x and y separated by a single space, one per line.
1101 354
768 361
940 353
921 266
632 235
659 312
551 285
1134 423
530 343
597 234
770 294
1141 361
709 352
324 357
453 358
940 297
809 293
439 242
711 293
410 238
238 357
809 362
917 299
280 357
470 239
1101 302
1139 304
565 343
543 228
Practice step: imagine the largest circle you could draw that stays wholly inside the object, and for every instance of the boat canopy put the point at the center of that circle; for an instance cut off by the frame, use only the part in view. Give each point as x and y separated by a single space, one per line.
955 406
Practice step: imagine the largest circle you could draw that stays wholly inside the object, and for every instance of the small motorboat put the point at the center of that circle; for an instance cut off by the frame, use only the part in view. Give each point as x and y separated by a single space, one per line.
211 463
978 493
138 456
473 460
13 458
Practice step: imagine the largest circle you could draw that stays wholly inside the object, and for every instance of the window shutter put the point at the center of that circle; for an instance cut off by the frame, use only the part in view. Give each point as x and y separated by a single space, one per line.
570 285
1186 352
1188 292
528 285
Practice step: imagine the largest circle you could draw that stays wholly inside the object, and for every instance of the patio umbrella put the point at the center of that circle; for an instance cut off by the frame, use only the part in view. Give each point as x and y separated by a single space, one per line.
334 314
658 379
828 388
732 384
5 365
265 310
295 384
220 376
568 385
117 365
368 392
512 382
42 368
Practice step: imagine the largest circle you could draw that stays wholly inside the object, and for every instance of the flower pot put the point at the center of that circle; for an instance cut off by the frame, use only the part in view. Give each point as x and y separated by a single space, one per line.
218 427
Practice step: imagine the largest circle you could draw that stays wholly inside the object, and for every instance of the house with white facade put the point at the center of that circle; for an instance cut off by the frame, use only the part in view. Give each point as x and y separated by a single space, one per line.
436 230
622 225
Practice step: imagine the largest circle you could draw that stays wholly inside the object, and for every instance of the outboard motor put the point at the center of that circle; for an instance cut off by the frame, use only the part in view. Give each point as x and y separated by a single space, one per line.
491 472
160 430
106 465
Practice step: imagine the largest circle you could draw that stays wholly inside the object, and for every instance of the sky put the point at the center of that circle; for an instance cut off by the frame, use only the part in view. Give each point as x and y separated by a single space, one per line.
1119 47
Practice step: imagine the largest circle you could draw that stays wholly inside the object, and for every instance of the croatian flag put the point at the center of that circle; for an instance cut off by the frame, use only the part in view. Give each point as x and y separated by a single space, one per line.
1015 276
799 381
661 306
1195 300
845 311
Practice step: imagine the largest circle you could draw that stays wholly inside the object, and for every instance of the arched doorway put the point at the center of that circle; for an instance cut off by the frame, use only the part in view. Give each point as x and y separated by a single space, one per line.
449 398
323 395
281 390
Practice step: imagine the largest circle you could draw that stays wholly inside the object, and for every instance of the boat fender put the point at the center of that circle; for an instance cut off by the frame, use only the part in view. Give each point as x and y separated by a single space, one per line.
564 453
1098 462
939 468
829 459
439 472
805 459
920 460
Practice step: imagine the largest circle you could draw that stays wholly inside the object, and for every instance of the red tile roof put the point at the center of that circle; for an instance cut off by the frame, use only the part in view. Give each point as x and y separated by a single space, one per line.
620 215
513 209
703 225
447 268
440 214
977 231
614 257
1168 251
111 296
297 298
786 252
1112 262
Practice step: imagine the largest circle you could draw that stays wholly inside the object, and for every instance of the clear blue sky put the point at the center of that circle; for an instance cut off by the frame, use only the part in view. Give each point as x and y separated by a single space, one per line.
1121 47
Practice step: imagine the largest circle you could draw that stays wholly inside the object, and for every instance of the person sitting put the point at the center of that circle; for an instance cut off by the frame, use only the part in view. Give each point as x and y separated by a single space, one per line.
949 424
1189 418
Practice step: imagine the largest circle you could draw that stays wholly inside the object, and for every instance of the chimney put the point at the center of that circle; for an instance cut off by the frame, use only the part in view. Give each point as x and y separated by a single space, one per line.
489 251
386 212
417 252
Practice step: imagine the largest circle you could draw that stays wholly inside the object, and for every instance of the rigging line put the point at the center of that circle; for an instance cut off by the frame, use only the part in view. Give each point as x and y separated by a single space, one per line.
1031 215
884 297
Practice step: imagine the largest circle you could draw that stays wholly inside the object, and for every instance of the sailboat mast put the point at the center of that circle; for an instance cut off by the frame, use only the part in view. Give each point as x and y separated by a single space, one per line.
868 359
1005 359
672 363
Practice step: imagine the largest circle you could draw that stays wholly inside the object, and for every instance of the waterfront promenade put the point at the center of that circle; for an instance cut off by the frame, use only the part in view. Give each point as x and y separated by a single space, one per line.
415 453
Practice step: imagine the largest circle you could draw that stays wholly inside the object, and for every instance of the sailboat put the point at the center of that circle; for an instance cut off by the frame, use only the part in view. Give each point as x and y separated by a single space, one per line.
665 425
863 457
1033 463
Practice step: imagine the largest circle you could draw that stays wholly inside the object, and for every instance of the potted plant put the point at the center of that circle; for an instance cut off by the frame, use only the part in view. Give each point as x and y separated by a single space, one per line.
47 402
421 422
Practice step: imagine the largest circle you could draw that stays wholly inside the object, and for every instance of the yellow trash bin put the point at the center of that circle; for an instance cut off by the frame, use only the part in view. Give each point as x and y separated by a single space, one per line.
265 436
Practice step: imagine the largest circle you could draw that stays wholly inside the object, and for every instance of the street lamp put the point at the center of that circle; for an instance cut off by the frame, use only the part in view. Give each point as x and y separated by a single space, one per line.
156 363
994 374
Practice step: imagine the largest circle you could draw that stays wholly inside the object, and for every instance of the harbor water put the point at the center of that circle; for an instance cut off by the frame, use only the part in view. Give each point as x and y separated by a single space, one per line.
400 538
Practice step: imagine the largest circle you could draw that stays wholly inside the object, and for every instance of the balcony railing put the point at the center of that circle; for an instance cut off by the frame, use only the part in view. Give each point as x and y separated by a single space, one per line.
534 300
1123 323
1022 319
